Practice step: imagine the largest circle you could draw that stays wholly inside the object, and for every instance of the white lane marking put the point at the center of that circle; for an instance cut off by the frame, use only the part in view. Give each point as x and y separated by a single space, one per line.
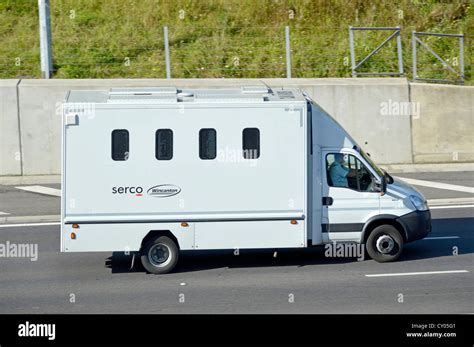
41 190
3 213
417 273
451 201
438 185
450 206
441 237
27 224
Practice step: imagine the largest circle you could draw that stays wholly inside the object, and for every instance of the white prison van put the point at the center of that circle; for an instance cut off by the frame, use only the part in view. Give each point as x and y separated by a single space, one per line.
162 170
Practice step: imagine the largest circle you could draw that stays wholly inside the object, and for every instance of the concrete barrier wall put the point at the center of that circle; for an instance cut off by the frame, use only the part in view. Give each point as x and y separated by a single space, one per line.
10 151
444 130
368 108
361 107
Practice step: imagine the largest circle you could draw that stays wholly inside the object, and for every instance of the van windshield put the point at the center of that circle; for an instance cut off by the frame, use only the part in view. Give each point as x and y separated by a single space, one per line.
371 162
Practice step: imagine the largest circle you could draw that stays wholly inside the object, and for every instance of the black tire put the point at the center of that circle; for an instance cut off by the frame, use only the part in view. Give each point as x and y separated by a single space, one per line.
159 255
379 245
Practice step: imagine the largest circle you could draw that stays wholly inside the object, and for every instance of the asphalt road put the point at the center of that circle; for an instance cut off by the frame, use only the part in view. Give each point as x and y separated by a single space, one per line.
296 281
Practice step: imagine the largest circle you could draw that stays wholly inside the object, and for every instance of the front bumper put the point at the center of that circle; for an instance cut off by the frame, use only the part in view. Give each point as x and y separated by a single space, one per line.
417 224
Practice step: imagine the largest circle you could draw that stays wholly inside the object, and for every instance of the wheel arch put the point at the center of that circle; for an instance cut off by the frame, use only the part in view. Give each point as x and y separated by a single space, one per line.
376 221
157 233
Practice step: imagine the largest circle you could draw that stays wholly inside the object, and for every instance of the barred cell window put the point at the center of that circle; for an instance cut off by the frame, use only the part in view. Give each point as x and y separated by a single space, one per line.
164 144
207 144
251 143
120 144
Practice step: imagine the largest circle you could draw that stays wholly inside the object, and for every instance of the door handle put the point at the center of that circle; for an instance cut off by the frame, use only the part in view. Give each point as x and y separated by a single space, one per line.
327 201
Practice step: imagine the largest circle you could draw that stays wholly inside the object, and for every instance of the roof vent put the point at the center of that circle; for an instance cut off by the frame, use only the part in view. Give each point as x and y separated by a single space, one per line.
254 90
285 94
144 91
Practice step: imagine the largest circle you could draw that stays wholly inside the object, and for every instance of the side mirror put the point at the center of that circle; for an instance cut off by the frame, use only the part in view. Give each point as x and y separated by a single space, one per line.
382 185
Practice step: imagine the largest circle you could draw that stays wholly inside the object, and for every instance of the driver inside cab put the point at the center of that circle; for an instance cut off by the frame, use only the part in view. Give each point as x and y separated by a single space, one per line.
339 171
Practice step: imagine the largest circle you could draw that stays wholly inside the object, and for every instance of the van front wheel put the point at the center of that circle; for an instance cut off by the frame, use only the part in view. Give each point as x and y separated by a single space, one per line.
159 255
384 244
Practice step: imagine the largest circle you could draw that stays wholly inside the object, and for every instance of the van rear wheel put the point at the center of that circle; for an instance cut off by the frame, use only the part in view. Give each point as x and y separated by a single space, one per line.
159 255
384 244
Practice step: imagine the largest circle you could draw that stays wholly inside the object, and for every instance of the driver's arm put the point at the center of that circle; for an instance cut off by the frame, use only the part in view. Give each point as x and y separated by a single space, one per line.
352 173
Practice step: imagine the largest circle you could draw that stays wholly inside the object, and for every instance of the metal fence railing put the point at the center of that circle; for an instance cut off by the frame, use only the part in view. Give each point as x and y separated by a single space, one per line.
286 54
395 34
416 40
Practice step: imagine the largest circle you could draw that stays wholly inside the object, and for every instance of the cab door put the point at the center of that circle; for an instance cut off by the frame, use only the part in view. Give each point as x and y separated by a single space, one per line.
349 195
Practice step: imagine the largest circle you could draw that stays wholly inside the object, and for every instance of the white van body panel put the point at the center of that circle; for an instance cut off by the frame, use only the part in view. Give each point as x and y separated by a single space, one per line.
397 201
121 237
229 201
205 185
250 234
